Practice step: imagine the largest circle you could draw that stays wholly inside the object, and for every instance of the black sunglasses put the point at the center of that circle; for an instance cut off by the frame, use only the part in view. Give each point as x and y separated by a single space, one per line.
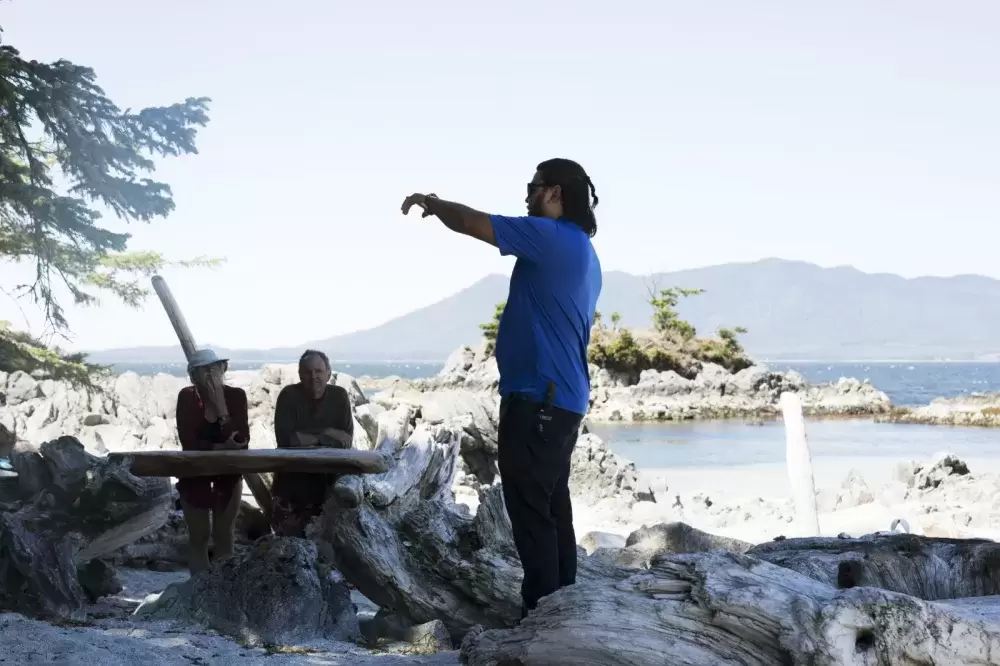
535 186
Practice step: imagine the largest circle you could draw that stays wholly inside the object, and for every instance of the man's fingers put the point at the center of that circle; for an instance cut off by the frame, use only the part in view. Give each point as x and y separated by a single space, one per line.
410 200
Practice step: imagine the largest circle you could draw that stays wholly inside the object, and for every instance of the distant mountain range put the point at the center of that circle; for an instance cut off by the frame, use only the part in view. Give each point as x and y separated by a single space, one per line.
792 310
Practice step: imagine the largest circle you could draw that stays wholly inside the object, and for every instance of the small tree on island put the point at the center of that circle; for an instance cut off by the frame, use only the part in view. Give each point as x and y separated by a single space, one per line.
492 327
672 344
65 148
665 318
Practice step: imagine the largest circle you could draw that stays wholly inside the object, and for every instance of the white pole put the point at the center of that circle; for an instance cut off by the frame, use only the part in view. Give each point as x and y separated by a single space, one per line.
175 315
800 471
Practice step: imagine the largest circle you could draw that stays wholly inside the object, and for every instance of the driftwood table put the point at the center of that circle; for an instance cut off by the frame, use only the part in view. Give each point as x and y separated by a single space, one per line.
253 461
256 464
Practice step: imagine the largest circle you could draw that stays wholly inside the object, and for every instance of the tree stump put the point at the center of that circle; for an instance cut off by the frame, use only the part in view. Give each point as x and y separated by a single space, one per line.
75 508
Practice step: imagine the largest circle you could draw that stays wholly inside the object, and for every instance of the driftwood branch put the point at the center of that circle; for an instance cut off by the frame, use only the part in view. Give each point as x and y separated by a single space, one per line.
725 608
210 463
918 566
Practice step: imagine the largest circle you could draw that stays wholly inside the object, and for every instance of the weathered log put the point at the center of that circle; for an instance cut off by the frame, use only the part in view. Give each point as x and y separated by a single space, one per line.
647 543
725 608
210 463
918 566
421 556
260 488
175 315
81 507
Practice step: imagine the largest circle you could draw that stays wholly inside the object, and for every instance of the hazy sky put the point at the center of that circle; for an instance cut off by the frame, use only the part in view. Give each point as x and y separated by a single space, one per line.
863 133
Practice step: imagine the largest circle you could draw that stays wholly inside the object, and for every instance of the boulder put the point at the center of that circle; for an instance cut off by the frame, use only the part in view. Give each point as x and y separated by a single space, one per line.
275 593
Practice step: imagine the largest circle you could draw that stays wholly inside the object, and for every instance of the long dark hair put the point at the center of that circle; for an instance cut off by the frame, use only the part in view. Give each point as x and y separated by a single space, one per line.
577 190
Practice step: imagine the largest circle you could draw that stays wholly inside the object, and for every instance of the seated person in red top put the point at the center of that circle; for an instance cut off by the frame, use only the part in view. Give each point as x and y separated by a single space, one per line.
312 413
211 416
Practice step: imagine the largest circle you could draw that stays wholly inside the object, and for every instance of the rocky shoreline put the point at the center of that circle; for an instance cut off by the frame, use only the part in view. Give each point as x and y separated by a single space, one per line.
714 393
424 570
973 409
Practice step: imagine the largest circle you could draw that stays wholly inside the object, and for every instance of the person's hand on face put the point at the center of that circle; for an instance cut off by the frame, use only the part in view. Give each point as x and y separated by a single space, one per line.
211 383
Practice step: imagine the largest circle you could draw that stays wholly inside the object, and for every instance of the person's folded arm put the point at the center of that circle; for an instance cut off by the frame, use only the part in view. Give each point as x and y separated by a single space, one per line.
341 436
336 438
284 420
240 416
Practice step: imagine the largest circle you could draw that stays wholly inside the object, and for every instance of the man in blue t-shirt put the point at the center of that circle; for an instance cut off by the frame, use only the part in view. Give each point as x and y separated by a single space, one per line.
541 352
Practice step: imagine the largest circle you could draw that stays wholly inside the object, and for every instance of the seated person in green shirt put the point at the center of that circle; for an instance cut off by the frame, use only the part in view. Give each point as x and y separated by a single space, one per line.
312 413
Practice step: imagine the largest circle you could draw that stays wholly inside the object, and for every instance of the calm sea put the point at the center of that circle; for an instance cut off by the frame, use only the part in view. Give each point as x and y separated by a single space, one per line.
405 369
904 383
734 444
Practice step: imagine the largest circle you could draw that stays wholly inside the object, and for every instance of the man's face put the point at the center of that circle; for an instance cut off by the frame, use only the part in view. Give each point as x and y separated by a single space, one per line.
314 375
539 198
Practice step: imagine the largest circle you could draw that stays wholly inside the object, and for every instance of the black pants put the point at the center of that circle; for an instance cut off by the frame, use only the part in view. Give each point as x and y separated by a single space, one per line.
535 446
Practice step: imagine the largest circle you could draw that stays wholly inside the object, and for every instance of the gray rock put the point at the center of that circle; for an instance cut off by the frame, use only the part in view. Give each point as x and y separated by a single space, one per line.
591 541
941 468
94 419
273 593
98 579
21 387
596 473
429 637
854 491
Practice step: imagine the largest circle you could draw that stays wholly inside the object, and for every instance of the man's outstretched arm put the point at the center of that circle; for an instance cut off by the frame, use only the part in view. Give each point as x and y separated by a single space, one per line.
455 216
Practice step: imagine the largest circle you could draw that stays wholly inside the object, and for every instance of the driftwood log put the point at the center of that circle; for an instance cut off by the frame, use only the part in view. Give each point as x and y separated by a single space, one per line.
725 608
74 509
210 463
410 549
922 567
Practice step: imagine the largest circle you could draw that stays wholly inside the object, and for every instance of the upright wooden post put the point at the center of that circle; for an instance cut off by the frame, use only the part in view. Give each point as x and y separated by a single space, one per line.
800 471
175 316
258 484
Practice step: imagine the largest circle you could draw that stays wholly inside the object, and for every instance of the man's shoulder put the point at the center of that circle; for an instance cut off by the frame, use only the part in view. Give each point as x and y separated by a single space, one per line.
290 392
186 392
338 392
233 391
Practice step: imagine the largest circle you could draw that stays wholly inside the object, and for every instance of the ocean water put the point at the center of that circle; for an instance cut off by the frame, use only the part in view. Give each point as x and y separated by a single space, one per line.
404 369
720 445
905 383
735 443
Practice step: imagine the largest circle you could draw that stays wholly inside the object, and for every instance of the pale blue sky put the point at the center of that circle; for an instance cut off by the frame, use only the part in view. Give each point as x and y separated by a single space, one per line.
857 132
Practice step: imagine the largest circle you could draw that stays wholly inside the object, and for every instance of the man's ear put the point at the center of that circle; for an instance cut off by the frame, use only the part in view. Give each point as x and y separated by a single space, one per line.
555 194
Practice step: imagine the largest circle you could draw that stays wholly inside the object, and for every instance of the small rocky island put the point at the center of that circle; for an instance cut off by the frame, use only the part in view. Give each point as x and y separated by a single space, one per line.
664 373
710 392
972 409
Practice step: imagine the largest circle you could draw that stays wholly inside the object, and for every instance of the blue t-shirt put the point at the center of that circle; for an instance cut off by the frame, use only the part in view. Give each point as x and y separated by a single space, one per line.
545 328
